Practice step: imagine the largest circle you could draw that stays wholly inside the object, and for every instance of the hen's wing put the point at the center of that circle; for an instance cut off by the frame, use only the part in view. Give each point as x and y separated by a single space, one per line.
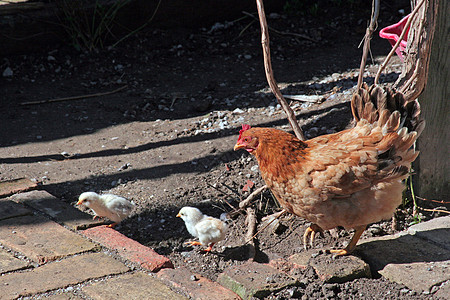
377 149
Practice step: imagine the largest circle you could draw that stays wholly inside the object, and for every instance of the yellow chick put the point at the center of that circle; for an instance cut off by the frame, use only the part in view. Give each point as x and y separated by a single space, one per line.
207 229
113 207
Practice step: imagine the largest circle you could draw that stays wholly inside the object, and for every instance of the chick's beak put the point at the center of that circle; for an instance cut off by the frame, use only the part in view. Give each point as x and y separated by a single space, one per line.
79 202
178 215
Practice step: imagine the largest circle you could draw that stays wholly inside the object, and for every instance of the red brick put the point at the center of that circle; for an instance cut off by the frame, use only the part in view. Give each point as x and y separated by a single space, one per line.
128 248
195 286
13 186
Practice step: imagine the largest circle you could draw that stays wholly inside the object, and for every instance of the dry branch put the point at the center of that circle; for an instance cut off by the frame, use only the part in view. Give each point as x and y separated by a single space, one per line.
282 32
244 203
397 44
269 73
74 97
370 29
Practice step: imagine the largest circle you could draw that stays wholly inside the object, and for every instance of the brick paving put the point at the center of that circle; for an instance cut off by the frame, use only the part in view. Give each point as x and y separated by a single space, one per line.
47 249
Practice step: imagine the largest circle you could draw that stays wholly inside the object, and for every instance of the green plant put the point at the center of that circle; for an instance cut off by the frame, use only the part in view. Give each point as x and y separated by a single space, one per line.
88 26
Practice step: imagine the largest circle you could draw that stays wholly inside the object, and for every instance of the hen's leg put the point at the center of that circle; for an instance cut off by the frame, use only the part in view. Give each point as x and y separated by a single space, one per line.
351 246
311 232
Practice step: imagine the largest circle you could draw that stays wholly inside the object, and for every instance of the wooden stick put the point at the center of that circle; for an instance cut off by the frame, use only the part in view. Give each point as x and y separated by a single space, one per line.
370 29
397 44
244 203
251 227
277 215
74 97
269 73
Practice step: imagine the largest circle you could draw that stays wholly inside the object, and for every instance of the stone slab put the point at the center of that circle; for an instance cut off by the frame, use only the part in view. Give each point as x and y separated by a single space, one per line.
254 280
195 286
41 239
436 231
128 248
10 263
340 269
444 291
64 296
59 274
59 210
135 286
399 249
9 187
9 209
419 276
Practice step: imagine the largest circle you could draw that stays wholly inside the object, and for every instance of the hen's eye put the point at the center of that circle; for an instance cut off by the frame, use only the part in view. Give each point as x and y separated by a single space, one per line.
246 139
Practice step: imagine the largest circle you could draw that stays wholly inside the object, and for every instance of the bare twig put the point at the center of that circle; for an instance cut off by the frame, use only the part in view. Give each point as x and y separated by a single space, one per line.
397 44
269 73
431 200
244 203
305 98
370 29
251 228
434 210
282 32
275 216
75 97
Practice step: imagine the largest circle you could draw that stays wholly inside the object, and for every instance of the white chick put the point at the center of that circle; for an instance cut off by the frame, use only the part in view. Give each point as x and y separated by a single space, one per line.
110 206
207 229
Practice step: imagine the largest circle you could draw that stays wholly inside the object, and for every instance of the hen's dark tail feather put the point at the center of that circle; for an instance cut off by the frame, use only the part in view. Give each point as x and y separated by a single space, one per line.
377 104
400 123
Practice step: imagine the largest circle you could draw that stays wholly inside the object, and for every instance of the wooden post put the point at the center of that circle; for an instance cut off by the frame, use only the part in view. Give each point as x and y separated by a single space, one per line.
433 164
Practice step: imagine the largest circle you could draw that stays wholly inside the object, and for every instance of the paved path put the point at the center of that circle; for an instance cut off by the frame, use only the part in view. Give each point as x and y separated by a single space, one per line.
51 247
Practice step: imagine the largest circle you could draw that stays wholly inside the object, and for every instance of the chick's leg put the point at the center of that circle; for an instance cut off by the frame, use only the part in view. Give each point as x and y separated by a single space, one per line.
112 225
351 246
194 243
311 232
209 248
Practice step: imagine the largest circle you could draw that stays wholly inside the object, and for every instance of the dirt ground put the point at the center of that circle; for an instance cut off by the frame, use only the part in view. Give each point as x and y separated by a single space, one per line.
166 139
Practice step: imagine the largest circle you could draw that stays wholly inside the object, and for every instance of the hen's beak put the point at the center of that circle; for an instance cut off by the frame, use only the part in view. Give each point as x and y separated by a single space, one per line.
238 146
178 216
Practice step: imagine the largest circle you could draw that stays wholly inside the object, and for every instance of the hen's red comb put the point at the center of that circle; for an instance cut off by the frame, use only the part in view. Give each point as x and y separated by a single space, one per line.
244 128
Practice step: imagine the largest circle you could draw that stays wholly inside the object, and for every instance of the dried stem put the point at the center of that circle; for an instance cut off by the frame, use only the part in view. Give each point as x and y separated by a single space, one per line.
370 29
275 216
397 44
269 73
251 228
282 32
75 97
244 203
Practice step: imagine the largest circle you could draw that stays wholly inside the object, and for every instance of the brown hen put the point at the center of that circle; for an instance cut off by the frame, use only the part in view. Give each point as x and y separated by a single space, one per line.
351 178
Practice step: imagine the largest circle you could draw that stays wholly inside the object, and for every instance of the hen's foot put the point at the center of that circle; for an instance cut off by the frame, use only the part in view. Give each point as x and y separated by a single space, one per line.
311 233
352 245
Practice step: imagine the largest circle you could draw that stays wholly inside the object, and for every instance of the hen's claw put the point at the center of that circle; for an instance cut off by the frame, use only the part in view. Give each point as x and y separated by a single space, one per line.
351 245
311 232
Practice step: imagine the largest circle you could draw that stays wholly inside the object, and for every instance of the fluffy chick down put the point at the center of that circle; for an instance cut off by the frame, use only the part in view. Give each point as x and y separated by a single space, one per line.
207 229
110 206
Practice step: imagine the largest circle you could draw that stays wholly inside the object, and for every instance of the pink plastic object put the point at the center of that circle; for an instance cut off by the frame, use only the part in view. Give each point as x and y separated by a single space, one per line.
392 34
